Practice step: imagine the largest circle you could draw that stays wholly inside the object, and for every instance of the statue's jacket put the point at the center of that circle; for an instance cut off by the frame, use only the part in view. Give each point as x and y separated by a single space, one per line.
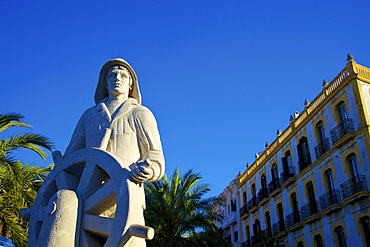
130 133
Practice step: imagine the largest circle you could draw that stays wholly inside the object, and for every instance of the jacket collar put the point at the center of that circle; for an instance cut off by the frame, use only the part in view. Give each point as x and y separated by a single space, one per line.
103 111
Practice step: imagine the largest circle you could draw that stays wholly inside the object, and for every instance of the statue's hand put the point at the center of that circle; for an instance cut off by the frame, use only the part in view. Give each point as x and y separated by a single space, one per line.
141 173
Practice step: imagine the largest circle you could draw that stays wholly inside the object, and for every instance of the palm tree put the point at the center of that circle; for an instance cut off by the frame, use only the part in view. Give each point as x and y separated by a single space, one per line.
19 182
180 215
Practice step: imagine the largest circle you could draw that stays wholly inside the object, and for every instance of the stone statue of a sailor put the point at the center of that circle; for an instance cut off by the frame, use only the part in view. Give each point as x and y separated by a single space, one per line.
119 136
120 124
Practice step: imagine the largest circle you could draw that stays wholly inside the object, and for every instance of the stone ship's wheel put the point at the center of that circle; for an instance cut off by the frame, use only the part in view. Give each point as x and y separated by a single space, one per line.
101 188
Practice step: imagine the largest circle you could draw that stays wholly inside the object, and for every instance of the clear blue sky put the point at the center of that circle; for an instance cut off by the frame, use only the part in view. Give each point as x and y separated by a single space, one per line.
220 76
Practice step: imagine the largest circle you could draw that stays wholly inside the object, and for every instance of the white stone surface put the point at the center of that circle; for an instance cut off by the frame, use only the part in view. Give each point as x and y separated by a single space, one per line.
114 148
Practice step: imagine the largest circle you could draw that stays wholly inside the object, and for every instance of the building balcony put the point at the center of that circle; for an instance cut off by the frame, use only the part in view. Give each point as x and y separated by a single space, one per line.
229 220
288 176
262 194
354 189
342 132
310 212
274 186
322 148
305 162
279 227
292 219
330 201
244 211
252 204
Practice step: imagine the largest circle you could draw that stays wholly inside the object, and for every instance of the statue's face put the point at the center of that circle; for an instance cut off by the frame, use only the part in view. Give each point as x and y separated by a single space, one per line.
118 80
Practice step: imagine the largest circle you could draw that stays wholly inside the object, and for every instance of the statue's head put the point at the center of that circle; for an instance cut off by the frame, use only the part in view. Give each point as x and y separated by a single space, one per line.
117 65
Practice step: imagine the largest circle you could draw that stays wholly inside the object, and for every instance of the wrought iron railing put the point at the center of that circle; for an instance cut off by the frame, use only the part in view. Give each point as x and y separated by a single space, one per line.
274 185
288 173
252 202
322 148
262 194
330 198
278 226
353 186
309 209
244 209
341 129
292 219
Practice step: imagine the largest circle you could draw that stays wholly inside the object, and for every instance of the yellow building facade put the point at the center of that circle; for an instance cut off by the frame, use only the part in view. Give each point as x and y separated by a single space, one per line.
310 186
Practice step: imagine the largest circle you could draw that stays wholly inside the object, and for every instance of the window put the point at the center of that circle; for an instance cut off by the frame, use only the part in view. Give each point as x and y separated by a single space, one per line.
253 189
320 132
288 169
300 244
353 164
342 111
268 223
303 154
329 180
244 197
318 241
248 232
323 142
281 217
311 198
340 237
274 172
294 201
365 225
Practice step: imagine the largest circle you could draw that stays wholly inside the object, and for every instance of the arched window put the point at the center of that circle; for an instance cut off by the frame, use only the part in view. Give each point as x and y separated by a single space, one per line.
329 180
288 169
318 241
253 189
244 197
248 232
300 244
268 223
320 132
303 154
263 194
294 201
353 165
340 236
311 198
365 225
281 217
323 142
342 112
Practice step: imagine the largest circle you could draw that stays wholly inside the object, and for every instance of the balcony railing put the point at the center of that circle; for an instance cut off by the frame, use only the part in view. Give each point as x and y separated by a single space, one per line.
330 198
252 202
292 219
309 209
274 185
341 129
244 209
286 174
305 162
353 186
262 194
278 226
322 148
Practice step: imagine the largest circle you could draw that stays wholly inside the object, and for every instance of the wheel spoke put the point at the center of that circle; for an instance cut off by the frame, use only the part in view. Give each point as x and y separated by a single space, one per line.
101 226
66 180
93 177
102 202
